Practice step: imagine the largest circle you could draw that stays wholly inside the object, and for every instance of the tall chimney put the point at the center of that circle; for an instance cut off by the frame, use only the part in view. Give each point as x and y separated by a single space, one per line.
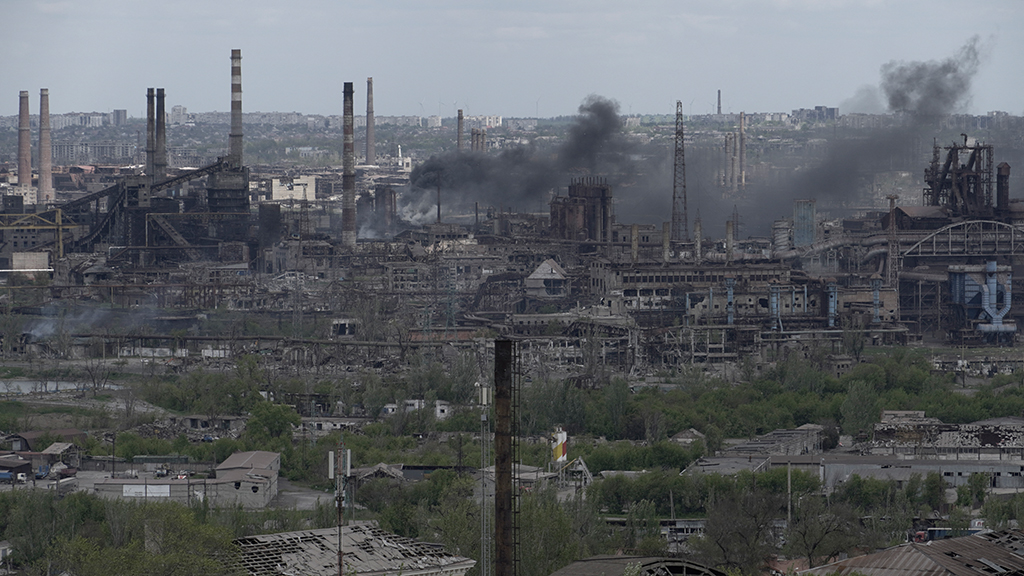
719 102
698 239
348 176
634 243
743 150
458 139
728 240
235 136
160 159
45 195
727 162
371 146
1003 187
504 436
733 161
150 131
666 241
24 141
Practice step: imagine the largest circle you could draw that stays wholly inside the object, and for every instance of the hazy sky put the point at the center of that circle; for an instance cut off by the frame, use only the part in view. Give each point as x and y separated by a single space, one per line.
518 58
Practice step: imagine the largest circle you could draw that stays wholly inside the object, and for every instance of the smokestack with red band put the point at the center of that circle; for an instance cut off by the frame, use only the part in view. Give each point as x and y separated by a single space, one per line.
45 151
458 138
348 176
150 131
235 136
371 152
160 158
24 141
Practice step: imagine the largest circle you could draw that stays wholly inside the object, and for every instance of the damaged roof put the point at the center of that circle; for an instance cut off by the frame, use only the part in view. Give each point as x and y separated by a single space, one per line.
977 555
368 550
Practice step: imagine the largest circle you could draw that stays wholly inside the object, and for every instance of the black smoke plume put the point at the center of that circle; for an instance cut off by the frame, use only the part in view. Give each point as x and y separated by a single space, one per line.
522 177
920 93
934 88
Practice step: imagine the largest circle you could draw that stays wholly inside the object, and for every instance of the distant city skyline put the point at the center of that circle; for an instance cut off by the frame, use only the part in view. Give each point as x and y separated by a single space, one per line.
536 59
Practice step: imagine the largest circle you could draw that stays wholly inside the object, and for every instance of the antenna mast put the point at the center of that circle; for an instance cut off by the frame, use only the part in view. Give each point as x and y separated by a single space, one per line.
680 232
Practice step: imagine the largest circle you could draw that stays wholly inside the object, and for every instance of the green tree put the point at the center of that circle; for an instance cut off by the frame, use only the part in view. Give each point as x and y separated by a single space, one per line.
820 531
270 426
739 532
860 409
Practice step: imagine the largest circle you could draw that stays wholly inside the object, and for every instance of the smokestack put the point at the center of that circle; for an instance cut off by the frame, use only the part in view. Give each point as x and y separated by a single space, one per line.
438 202
719 102
728 240
1003 187
235 136
160 159
458 139
743 150
666 241
150 131
733 161
727 162
698 245
45 195
24 141
371 146
634 240
504 434
348 176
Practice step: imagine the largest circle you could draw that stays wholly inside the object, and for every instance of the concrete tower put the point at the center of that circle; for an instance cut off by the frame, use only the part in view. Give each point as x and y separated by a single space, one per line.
46 195
160 157
24 141
150 131
235 136
348 175
371 150
458 139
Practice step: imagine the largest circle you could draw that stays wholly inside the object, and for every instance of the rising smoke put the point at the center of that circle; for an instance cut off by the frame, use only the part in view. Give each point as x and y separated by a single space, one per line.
918 93
934 88
834 171
522 177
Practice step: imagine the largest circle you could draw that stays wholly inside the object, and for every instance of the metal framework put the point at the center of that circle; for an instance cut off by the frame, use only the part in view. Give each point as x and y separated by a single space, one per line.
49 220
973 238
680 231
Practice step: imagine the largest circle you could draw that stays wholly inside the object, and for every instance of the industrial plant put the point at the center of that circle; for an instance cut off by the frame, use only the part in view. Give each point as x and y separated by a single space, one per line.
611 252
935 265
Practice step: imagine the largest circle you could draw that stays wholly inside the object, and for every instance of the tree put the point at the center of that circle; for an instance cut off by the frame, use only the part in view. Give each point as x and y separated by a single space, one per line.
934 492
740 531
820 531
270 425
860 409
853 335
544 546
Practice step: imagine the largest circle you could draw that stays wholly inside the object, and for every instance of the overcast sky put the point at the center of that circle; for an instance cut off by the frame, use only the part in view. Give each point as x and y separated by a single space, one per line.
520 58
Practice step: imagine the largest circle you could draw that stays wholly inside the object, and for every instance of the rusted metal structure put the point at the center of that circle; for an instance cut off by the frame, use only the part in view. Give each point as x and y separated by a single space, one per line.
506 554
963 181
586 214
